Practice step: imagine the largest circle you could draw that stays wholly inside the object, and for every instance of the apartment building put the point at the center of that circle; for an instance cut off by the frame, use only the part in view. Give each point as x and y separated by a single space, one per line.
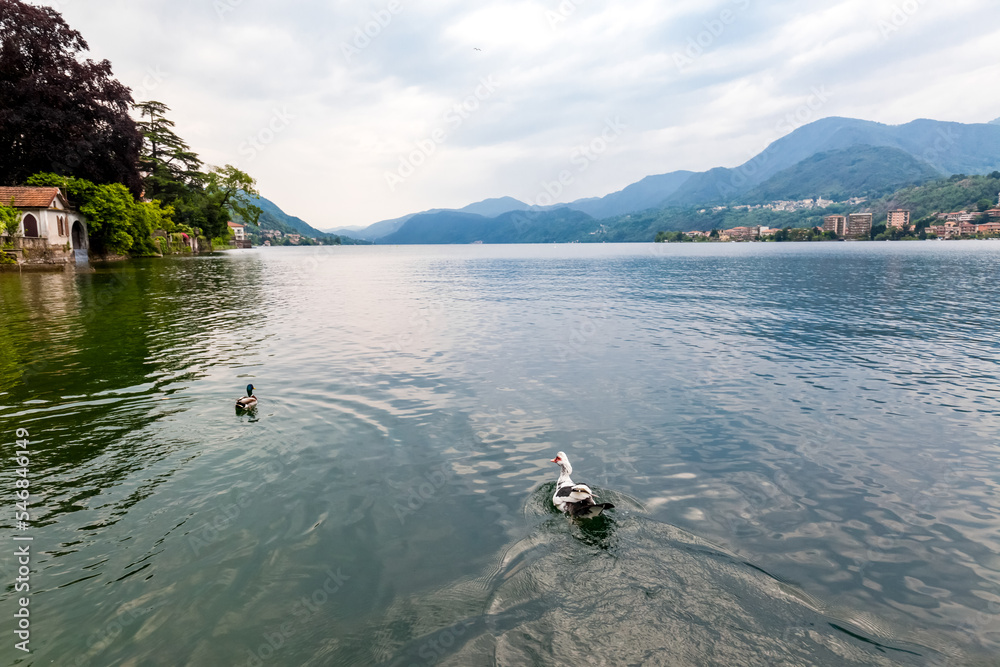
836 224
898 219
859 226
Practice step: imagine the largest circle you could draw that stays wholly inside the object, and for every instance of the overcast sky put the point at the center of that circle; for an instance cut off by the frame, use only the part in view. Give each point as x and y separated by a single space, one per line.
351 112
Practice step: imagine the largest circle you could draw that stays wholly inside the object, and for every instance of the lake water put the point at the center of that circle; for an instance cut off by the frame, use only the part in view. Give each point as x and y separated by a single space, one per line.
800 439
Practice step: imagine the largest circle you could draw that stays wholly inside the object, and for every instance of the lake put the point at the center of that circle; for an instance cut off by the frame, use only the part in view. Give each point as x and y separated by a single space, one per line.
800 441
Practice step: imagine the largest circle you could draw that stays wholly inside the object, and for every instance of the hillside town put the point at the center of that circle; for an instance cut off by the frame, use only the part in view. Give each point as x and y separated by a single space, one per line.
858 226
789 206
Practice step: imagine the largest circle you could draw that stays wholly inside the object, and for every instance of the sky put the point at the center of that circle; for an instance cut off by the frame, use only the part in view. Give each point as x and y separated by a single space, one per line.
348 113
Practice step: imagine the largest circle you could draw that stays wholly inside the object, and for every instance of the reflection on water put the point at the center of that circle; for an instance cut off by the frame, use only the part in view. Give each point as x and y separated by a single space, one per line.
800 442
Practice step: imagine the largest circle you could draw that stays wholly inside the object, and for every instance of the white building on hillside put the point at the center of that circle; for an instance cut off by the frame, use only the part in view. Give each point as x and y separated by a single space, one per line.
239 231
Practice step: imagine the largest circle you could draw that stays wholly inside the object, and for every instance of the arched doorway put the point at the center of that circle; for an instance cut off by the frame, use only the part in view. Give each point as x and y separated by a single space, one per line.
79 236
30 227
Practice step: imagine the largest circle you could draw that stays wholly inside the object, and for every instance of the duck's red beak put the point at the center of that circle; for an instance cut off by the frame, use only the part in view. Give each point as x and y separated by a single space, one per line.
555 460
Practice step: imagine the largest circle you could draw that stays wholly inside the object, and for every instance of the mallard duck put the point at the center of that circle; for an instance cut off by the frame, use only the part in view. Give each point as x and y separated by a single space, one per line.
577 500
248 401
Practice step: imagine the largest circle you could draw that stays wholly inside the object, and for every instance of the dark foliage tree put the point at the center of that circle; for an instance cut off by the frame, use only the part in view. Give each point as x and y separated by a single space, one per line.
57 113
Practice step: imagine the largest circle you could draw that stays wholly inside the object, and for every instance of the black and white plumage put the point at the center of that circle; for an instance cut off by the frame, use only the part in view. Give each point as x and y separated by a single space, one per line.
248 401
577 500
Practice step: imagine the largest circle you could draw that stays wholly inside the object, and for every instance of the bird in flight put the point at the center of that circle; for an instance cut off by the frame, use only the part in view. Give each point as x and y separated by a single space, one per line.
476 48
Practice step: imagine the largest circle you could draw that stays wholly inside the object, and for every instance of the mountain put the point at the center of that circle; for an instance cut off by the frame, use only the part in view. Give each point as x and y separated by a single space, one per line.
861 171
273 217
548 226
950 148
648 193
832 157
379 229
995 122
489 208
954 193
565 225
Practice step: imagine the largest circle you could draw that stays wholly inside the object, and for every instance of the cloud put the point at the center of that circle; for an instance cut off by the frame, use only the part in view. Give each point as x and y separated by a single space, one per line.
365 85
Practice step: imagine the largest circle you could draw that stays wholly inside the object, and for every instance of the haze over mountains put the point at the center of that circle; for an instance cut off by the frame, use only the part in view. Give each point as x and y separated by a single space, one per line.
834 158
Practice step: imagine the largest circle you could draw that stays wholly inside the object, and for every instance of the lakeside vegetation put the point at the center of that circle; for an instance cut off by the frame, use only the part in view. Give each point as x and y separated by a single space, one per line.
68 123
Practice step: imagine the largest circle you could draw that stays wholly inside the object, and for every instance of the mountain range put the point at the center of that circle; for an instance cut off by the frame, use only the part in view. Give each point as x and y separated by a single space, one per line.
834 158
274 218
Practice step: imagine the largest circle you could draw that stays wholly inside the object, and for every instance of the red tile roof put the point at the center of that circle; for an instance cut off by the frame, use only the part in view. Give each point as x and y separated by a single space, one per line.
28 197
235 224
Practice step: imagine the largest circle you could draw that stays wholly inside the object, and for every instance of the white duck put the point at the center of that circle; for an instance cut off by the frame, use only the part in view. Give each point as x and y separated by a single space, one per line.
577 500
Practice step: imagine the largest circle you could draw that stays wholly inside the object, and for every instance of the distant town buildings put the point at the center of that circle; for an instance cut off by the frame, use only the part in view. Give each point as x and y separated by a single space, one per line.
853 226
898 219
781 205
859 225
836 224
953 229
958 217
743 233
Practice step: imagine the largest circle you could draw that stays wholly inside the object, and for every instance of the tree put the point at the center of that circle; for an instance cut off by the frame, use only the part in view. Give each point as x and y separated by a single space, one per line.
231 192
10 219
984 204
58 114
116 222
167 162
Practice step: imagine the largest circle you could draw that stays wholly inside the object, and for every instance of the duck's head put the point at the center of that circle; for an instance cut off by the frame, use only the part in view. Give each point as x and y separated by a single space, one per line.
249 390
563 462
580 492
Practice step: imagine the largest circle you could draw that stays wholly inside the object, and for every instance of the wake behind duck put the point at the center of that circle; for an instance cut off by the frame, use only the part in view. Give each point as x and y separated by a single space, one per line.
577 500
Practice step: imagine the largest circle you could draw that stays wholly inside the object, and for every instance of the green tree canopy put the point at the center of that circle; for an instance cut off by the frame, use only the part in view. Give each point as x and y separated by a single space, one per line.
232 193
117 223
173 174
10 219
